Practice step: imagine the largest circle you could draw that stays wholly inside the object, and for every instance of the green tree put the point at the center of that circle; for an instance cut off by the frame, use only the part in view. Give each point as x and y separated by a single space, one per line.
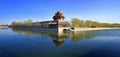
19 24
14 23
88 23
77 22
28 23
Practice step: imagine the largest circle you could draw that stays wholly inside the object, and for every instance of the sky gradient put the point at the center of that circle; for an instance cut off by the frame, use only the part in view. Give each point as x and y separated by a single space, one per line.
43 10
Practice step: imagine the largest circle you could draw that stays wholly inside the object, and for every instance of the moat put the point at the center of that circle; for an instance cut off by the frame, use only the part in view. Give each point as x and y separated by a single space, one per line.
32 43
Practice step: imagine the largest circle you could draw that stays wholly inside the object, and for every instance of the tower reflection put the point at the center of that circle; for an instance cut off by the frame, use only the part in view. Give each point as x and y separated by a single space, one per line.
58 38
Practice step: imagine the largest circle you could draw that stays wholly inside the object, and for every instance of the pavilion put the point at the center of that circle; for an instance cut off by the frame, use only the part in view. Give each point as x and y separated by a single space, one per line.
57 22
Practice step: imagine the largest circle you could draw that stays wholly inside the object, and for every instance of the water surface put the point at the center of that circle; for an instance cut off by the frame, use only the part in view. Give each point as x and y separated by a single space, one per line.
34 43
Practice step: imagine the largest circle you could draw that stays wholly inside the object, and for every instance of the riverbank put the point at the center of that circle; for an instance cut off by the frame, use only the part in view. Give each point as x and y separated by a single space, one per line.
61 29
88 29
3 27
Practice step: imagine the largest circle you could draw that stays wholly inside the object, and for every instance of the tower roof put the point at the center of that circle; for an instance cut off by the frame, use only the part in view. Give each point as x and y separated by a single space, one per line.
58 15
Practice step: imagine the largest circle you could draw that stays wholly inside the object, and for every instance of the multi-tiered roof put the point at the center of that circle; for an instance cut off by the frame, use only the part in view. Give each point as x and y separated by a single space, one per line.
58 16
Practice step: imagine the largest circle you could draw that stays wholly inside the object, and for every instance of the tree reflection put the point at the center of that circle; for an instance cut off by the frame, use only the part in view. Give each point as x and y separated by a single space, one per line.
77 36
58 38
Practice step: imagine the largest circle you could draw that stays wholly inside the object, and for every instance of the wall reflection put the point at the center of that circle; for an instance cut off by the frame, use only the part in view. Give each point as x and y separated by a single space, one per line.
58 38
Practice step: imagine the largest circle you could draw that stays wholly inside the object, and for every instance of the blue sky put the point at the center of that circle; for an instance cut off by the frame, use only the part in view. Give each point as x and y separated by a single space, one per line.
43 10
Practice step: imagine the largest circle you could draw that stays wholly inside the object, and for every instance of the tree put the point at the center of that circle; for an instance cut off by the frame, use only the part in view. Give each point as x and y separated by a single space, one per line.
29 23
88 23
19 24
25 23
14 23
77 22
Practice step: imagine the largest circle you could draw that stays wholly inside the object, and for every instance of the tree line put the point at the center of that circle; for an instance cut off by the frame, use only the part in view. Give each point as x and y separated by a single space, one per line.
75 22
25 23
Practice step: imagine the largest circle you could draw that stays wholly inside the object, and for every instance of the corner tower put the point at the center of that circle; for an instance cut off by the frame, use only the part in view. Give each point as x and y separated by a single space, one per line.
58 16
